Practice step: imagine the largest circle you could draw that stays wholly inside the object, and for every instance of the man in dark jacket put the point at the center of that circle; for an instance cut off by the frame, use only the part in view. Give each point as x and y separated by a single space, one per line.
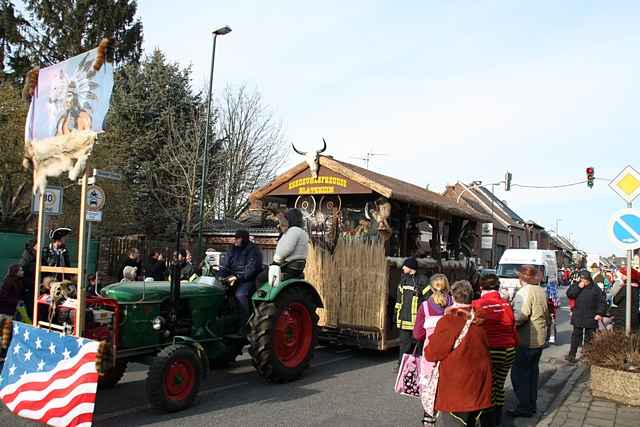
590 306
56 255
240 268
412 290
133 260
157 267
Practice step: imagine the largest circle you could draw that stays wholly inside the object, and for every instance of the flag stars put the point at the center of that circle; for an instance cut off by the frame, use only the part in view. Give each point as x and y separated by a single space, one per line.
16 349
66 353
80 342
26 335
38 343
40 365
52 349
27 355
16 329
12 370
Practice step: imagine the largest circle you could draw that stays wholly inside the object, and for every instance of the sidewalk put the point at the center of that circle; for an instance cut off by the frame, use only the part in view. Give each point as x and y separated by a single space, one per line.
575 407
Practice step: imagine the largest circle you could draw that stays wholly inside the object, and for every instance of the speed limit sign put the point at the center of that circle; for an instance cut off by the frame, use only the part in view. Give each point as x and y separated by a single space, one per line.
52 201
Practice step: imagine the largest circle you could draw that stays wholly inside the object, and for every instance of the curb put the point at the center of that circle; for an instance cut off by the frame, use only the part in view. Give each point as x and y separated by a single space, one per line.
562 396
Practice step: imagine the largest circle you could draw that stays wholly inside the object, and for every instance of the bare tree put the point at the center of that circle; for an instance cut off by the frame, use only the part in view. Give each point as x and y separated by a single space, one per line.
253 149
178 174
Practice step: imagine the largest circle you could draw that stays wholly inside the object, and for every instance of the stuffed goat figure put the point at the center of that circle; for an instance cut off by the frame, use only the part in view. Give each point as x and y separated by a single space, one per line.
53 156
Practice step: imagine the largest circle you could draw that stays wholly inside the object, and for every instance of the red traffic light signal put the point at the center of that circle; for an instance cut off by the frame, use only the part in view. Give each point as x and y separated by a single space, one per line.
590 176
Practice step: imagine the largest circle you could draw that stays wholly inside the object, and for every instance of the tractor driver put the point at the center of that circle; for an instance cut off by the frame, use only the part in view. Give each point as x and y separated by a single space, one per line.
240 268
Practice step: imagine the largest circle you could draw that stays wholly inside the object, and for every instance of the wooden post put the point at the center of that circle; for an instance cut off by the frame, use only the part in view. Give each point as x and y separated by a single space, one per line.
36 285
82 241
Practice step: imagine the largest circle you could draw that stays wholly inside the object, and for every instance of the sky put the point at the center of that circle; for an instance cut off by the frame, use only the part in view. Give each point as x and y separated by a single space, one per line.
448 90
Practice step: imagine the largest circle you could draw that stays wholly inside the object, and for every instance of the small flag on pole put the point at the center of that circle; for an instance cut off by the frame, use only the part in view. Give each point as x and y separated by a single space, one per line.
50 377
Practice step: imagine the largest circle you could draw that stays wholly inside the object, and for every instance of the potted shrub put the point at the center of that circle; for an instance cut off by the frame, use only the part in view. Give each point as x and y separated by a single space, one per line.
615 366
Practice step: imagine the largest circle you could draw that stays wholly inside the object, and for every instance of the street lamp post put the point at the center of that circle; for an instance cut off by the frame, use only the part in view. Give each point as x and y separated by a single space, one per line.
219 32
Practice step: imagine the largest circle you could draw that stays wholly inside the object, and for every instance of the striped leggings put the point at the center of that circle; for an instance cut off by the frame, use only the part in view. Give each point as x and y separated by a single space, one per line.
501 361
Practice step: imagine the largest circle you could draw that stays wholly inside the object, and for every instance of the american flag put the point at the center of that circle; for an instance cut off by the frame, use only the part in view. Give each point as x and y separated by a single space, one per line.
50 377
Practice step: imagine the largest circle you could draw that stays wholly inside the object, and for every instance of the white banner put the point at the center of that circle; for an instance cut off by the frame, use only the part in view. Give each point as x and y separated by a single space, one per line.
70 95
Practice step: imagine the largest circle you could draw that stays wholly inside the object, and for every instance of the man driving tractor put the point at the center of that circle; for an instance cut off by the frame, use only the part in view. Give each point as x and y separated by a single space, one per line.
240 268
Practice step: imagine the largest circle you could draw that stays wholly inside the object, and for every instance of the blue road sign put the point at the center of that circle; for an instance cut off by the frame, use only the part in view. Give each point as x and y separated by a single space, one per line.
624 229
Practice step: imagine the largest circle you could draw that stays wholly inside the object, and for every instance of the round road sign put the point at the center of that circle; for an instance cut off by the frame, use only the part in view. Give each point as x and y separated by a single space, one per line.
95 198
624 229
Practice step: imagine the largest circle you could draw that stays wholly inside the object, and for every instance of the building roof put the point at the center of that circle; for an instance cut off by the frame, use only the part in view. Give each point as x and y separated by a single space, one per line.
482 200
391 188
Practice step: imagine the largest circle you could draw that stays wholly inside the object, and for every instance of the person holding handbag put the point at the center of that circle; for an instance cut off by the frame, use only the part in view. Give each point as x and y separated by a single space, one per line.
500 326
429 313
462 377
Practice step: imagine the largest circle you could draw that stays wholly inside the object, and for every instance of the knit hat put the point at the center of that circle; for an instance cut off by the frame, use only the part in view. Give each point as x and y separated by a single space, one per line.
411 263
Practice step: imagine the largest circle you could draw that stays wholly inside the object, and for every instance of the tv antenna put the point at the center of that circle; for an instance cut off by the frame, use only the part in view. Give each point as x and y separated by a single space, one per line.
368 157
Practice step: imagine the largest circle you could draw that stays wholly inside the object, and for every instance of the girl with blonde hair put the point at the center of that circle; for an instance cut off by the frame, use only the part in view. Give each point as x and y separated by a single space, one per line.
430 312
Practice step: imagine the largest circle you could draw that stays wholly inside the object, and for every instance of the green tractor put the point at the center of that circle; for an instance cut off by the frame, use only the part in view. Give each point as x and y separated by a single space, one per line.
181 330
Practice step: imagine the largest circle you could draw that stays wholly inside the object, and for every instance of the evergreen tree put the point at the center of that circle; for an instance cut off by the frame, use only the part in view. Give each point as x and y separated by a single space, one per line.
15 182
149 100
68 27
13 40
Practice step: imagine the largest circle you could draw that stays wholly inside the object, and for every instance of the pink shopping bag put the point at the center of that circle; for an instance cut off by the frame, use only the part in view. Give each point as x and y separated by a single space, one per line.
408 380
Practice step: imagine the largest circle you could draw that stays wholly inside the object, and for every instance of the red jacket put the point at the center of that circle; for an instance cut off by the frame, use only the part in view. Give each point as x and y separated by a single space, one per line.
465 373
498 320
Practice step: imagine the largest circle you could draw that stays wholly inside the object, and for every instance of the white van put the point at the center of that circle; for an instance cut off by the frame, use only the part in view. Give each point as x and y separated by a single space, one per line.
513 259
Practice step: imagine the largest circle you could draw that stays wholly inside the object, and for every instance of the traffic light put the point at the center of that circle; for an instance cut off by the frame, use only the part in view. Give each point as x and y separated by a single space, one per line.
507 181
590 176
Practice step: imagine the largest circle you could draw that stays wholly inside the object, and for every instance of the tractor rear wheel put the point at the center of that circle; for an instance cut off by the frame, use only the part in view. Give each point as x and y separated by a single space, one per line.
113 375
173 379
283 335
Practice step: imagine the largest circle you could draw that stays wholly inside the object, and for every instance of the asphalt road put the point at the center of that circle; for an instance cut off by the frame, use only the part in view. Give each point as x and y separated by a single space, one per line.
344 387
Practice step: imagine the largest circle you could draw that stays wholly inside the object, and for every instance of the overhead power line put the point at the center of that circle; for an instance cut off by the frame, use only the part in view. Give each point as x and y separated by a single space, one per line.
573 184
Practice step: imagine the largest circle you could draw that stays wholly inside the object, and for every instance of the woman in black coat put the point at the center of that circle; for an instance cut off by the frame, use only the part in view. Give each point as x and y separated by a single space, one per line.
28 264
11 291
619 309
590 307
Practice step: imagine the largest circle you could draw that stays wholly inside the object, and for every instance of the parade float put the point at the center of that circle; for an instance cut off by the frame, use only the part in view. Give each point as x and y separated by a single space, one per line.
362 225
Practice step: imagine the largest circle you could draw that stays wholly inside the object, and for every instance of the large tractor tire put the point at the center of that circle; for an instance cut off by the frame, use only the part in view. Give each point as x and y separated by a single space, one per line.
173 379
113 375
283 335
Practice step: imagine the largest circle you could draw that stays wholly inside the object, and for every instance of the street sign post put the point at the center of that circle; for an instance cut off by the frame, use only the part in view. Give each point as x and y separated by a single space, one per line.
52 201
96 198
103 174
624 227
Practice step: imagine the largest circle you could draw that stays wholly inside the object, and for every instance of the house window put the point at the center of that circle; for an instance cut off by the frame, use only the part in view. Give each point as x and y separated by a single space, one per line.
512 241
519 242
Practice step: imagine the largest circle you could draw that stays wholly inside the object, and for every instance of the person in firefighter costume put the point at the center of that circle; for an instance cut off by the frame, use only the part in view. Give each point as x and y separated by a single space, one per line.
412 290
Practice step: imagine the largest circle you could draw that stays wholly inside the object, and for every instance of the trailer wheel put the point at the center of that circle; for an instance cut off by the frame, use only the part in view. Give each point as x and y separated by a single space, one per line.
283 335
173 379
113 375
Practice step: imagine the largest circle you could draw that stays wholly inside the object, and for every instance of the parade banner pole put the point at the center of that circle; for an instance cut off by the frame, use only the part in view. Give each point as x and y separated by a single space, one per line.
36 284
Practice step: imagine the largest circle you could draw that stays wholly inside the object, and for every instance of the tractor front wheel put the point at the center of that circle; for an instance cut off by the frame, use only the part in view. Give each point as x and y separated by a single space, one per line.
113 375
283 335
173 380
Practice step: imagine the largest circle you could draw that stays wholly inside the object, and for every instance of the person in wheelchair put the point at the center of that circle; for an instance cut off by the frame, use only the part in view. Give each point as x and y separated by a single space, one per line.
240 268
293 246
